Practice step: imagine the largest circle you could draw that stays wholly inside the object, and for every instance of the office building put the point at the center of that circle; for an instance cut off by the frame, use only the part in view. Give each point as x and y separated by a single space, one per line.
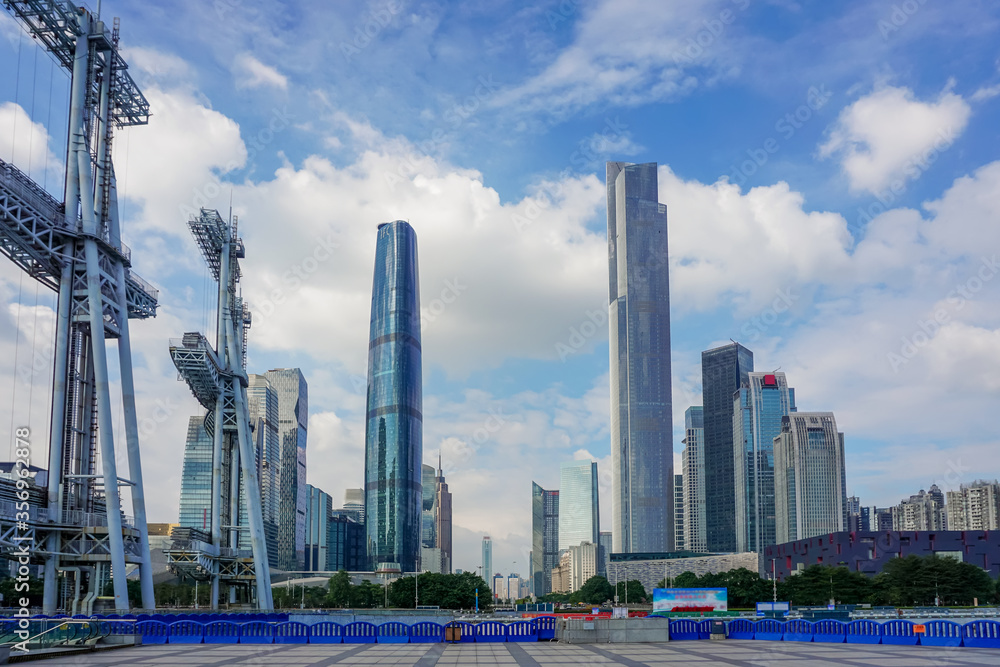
443 520
974 506
394 430
582 564
347 550
354 501
579 509
809 475
487 558
605 554
651 568
196 478
319 509
293 422
693 466
922 511
262 404
544 538
881 518
639 321
865 522
561 581
428 513
723 371
679 513
758 408
435 548
854 514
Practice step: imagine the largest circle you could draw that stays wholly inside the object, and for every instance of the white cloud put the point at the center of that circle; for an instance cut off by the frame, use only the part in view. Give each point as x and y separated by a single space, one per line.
891 136
25 144
252 73
986 93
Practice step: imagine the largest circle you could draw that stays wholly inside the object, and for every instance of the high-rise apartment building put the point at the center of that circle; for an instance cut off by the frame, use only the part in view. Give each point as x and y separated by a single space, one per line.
693 465
974 506
293 423
582 564
679 513
758 408
394 430
639 321
487 558
579 509
723 371
922 511
809 476
544 538
319 508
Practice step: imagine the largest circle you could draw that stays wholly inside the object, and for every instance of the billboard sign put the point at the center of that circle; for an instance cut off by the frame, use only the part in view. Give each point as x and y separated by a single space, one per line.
690 599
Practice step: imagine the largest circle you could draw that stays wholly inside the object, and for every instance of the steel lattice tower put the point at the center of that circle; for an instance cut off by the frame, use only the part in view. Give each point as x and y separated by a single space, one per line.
75 248
218 380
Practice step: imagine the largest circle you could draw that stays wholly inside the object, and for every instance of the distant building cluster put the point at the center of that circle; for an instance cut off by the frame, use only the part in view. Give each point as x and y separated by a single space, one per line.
974 506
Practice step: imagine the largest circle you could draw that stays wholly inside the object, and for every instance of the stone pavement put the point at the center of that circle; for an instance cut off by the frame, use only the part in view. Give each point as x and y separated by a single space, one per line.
730 653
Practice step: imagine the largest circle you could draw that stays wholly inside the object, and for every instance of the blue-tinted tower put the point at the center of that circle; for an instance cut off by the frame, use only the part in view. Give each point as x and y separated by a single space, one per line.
394 426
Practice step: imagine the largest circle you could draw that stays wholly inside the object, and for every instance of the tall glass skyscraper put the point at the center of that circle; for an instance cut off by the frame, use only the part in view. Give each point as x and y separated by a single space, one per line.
757 412
693 464
262 402
487 558
579 509
723 371
639 319
196 478
394 426
293 497
544 538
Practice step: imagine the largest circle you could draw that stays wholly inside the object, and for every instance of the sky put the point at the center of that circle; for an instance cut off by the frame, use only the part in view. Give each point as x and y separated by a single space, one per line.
830 171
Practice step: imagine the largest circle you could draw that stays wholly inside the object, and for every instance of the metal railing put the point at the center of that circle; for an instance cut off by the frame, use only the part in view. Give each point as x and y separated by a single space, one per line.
24 187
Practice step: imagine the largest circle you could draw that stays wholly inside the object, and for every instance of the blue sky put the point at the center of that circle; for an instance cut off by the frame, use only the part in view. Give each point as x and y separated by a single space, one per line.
838 157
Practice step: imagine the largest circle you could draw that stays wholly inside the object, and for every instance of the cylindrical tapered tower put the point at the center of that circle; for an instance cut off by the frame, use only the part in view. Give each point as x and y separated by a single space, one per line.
394 426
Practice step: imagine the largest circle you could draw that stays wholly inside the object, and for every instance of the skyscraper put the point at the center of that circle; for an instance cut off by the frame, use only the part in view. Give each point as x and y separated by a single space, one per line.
487 558
758 409
196 478
319 507
394 427
354 501
693 464
639 321
679 510
579 508
293 422
435 544
262 404
809 477
606 542
723 371
428 513
544 538
443 519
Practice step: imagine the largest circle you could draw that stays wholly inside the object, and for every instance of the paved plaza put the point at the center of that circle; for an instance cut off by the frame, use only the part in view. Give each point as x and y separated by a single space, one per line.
730 652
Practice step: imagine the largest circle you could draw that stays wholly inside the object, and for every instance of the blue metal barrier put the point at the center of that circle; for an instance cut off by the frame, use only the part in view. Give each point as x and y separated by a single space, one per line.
684 629
426 632
740 628
220 632
393 632
798 630
491 631
360 632
326 632
899 632
829 631
290 632
940 632
522 631
863 632
981 634
185 632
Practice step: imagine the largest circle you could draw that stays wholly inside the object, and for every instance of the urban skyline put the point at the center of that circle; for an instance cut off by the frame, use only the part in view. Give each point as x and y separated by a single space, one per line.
496 155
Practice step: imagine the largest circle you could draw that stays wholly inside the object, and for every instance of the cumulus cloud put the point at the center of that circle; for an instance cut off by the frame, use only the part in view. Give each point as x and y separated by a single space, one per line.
26 145
890 135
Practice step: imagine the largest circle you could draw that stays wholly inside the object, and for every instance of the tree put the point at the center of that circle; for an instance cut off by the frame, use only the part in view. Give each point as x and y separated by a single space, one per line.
916 580
13 590
595 590
635 592
339 590
818 584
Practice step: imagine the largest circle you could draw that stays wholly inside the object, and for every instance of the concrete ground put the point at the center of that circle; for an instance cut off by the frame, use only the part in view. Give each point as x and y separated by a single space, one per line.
730 652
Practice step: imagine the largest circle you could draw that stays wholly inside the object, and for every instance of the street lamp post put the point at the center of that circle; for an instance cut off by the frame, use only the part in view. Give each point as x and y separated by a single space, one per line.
774 584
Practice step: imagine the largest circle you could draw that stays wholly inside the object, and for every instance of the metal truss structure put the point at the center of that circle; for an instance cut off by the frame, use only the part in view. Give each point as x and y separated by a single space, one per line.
75 248
218 380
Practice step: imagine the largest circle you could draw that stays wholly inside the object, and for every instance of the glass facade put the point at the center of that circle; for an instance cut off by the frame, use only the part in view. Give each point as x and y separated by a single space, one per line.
579 508
347 544
723 371
428 514
262 402
293 421
639 321
394 426
693 465
757 412
809 474
487 557
196 478
544 538
319 509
